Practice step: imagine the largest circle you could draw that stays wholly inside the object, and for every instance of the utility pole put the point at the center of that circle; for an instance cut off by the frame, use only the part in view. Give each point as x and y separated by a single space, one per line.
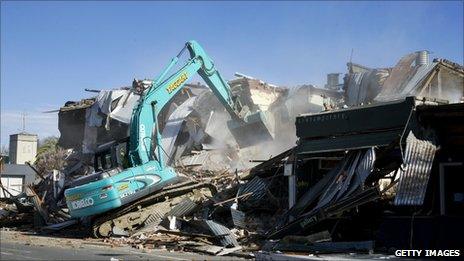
351 57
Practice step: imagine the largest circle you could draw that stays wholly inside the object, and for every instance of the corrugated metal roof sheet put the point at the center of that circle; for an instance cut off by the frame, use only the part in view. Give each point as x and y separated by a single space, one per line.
225 236
343 177
363 170
413 180
184 208
356 167
355 92
363 86
409 87
238 217
257 186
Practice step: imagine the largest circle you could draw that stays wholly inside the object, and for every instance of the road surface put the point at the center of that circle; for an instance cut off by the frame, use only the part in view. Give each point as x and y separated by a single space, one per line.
16 245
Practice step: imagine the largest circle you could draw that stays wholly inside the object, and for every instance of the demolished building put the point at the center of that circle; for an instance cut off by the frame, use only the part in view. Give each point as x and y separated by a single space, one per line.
413 75
379 175
335 179
191 120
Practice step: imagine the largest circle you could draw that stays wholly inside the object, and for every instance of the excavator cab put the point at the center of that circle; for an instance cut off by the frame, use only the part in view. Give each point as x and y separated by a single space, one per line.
111 155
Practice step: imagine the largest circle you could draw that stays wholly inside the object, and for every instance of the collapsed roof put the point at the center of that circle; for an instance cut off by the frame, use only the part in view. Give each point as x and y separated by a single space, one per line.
413 75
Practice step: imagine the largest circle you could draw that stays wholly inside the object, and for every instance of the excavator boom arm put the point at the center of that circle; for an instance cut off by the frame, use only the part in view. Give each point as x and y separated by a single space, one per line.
145 115
148 173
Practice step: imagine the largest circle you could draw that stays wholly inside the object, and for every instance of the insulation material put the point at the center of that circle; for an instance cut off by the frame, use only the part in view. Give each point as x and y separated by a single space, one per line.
413 179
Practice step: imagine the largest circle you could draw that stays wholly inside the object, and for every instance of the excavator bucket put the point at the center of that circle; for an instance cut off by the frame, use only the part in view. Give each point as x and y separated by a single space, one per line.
254 129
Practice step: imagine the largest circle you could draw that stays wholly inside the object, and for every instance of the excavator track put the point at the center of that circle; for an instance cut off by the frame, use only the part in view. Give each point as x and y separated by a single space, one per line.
145 210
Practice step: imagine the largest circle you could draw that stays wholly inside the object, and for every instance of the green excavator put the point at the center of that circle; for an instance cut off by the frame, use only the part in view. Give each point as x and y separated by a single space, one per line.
122 197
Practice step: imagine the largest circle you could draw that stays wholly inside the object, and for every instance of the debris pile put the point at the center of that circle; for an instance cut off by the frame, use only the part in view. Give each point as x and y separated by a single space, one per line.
413 75
232 221
42 204
333 180
14 213
349 198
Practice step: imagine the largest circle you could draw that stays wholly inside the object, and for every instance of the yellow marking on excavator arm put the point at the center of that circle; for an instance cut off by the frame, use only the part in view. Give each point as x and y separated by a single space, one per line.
174 85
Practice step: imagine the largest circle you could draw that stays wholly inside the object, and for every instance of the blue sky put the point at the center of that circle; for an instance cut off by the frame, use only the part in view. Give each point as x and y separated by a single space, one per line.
52 51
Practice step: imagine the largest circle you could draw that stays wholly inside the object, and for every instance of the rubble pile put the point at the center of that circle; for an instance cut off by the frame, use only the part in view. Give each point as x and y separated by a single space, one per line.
192 125
41 205
14 214
333 179
233 221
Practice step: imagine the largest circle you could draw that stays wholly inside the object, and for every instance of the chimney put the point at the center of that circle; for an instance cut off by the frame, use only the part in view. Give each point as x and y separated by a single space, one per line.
422 58
332 81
